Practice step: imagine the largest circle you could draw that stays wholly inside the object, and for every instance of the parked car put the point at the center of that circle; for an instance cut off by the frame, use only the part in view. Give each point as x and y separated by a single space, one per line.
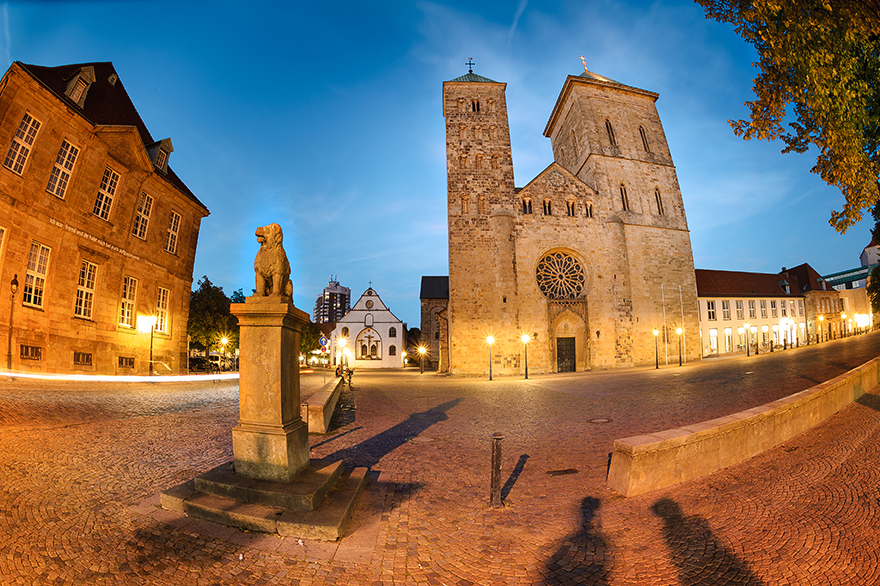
199 364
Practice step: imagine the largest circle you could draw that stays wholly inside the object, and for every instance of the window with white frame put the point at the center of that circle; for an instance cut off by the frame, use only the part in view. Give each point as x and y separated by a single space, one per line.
739 310
725 309
800 307
784 307
710 309
773 312
22 143
129 296
142 216
85 290
35 279
171 235
752 309
728 339
106 193
713 341
162 310
62 169
763 309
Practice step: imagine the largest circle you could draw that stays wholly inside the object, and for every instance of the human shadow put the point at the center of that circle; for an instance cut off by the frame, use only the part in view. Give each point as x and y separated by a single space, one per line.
370 451
697 554
869 400
514 476
581 557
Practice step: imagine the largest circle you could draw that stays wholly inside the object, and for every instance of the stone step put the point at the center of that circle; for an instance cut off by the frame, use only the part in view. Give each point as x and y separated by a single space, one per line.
304 493
327 522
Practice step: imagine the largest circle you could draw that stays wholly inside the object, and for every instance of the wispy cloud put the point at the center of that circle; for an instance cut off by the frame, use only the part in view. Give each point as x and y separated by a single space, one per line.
519 10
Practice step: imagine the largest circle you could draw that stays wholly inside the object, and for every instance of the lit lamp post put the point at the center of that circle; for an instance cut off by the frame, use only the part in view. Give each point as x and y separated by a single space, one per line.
342 343
525 340
147 324
422 351
819 335
656 350
679 331
748 341
223 341
490 340
843 323
756 340
14 287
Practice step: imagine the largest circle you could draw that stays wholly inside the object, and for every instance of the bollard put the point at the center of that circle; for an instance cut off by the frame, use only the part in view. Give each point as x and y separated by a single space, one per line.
495 491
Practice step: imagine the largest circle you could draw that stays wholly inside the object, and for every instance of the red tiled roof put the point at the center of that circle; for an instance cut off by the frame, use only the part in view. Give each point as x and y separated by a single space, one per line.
106 104
712 283
807 277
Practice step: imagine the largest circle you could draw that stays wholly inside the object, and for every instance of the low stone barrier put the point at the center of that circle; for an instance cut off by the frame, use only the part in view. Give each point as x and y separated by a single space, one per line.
322 403
644 463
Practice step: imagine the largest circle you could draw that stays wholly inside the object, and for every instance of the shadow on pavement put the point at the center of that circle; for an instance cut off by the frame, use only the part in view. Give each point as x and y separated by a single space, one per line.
514 476
869 400
580 559
345 412
370 451
336 437
695 551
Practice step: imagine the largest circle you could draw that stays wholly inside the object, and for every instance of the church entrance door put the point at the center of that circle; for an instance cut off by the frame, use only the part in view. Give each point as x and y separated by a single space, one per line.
565 355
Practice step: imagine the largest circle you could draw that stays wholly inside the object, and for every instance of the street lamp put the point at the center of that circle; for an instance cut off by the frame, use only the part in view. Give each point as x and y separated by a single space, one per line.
14 287
342 343
223 341
819 335
748 342
525 340
679 331
843 323
490 340
147 324
422 351
656 350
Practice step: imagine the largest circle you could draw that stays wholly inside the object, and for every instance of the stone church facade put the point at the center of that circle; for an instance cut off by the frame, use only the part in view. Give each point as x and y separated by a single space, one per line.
589 258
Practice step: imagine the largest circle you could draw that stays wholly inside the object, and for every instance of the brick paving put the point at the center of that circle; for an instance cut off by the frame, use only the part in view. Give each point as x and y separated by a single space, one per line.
81 466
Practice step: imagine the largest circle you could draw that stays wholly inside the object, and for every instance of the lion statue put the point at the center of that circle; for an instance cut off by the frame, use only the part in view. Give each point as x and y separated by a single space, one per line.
271 266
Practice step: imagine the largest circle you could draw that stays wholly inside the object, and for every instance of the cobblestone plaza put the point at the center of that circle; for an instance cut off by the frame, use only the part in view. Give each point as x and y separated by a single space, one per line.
82 465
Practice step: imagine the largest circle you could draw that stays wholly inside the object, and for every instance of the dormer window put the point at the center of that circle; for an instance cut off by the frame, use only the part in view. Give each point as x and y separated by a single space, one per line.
78 86
159 153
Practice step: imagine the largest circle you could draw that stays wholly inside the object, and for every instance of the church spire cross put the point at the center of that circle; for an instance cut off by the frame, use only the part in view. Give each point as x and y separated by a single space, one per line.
584 61
470 63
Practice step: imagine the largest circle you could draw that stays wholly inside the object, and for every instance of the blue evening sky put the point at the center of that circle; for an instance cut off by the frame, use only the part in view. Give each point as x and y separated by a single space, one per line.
326 118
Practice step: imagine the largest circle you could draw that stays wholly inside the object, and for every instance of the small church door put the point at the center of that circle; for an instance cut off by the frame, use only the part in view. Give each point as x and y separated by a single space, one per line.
565 355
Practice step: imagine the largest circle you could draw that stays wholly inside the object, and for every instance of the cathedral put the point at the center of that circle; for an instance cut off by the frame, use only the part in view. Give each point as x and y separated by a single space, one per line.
589 266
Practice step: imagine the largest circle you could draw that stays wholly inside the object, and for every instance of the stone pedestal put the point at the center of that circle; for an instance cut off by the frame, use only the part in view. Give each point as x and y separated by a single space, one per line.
271 440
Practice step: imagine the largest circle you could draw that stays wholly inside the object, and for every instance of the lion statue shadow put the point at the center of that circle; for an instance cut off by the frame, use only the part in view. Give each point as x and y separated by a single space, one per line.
271 266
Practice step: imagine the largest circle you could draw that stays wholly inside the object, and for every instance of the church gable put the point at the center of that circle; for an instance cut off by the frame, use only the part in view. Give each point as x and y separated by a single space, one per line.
556 191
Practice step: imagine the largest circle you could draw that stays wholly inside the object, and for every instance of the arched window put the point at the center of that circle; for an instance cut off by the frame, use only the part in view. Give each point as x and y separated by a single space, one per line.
478 161
437 335
644 136
659 201
624 200
527 206
547 208
462 131
344 332
588 210
492 132
373 351
392 332
491 104
494 161
569 208
368 320
465 207
478 132
475 105
461 104
481 205
363 350
392 350
610 130
462 161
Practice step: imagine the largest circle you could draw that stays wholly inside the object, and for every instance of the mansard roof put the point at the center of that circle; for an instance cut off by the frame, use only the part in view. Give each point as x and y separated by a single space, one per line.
809 279
107 104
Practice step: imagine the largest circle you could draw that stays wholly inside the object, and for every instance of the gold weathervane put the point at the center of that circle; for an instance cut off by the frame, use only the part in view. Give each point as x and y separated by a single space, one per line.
584 61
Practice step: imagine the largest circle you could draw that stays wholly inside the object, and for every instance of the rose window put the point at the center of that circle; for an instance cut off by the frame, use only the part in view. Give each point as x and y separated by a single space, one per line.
560 276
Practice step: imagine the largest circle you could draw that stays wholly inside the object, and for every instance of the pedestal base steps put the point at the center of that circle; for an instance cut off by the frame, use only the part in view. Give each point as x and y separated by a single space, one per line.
317 504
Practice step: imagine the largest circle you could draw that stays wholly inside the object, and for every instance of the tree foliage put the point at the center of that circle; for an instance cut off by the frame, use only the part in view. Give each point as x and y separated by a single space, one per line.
818 85
309 338
874 289
209 317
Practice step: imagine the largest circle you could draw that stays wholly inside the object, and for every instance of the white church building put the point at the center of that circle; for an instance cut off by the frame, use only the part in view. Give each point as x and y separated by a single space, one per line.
369 336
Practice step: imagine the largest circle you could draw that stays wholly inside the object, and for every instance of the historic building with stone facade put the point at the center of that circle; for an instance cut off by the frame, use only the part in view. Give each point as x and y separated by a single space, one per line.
588 259
96 229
